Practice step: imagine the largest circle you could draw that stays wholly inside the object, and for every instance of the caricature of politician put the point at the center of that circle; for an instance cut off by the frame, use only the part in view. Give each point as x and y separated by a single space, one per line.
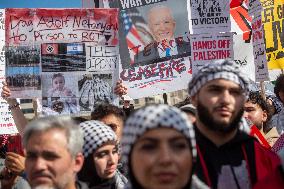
162 26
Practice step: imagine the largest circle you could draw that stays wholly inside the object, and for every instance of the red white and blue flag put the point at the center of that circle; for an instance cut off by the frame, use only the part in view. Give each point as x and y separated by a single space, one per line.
132 36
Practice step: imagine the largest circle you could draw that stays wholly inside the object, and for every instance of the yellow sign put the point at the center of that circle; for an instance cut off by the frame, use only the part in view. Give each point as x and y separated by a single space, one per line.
273 23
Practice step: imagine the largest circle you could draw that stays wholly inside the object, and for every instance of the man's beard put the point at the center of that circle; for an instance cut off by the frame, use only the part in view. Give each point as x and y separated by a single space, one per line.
64 181
43 187
208 120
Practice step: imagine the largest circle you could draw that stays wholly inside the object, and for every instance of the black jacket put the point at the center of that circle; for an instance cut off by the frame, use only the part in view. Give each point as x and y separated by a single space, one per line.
231 165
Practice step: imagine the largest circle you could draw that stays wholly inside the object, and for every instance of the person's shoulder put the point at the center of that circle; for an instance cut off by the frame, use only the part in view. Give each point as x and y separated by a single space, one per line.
147 55
264 153
81 185
120 180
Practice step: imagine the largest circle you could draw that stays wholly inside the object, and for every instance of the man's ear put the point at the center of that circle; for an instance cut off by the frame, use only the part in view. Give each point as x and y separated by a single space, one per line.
78 162
264 116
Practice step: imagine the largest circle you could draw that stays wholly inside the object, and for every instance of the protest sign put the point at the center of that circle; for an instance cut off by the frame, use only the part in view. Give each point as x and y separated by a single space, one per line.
210 16
254 7
154 54
261 70
157 78
273 19
241 20
7 125
206 48
61 25
101 58
154 31
71 55
243 55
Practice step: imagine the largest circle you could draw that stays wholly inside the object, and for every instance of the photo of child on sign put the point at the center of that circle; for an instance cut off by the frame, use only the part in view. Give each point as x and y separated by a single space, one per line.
59 93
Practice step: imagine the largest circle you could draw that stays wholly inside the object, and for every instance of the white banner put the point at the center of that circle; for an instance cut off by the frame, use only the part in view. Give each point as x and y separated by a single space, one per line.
157 78
210 16
7 125
206 48
259 51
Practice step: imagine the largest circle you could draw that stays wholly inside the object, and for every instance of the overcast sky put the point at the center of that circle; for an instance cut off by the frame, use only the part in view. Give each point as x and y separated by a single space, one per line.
40 3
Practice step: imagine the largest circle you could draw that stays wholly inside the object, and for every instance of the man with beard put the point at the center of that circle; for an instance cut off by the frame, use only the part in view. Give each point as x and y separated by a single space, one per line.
227 156
53 153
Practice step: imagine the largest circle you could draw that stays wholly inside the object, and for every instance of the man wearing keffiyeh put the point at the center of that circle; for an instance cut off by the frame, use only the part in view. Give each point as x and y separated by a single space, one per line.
227 157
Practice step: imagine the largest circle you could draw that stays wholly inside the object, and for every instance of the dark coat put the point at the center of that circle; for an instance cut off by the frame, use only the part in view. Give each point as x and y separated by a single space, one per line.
150 53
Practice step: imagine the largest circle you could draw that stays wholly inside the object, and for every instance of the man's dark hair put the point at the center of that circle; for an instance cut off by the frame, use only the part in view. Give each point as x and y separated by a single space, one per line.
256 98
105 109
279 85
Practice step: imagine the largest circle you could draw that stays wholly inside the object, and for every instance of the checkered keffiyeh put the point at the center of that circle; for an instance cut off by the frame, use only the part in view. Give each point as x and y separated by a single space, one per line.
96 134
276 102
151 117
223 69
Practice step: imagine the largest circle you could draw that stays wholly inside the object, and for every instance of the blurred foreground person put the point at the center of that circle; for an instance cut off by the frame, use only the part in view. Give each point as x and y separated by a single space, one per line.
158 148
227 156
53 153
101 154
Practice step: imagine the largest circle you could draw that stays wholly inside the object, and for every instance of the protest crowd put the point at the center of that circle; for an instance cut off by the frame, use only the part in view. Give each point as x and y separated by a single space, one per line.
158 146
227 134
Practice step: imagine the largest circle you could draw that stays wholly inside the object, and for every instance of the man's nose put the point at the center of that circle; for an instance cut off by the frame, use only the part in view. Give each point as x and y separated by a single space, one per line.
162 26
40 164
246 115
226 96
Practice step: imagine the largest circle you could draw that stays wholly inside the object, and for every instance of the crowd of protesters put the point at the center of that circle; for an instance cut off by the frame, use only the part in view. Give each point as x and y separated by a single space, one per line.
224 135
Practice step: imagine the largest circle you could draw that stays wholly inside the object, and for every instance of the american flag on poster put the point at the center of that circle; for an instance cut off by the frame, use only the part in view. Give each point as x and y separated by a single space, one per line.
132 37
49 48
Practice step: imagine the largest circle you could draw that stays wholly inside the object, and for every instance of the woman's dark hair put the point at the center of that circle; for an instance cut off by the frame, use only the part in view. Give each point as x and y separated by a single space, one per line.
88 172
89 175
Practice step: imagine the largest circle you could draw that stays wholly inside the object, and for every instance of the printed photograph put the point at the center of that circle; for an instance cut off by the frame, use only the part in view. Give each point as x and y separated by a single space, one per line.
23 71
22 56
94 89
59 91
63 57
23 78
154 33
59 105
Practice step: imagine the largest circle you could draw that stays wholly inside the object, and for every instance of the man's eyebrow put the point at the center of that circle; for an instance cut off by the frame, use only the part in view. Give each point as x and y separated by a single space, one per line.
223 87
215 86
